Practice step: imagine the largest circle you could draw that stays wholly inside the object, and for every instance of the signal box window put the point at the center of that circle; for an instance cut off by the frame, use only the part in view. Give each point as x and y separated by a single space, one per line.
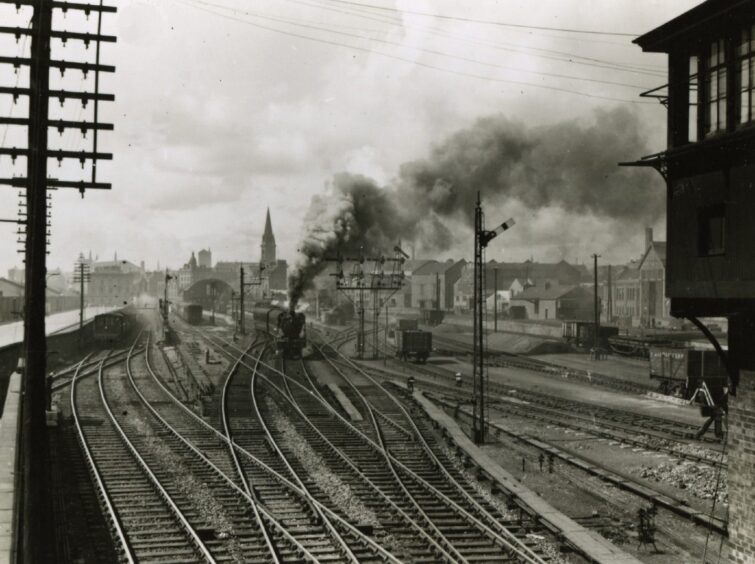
693 94
715 88
746 75
711 229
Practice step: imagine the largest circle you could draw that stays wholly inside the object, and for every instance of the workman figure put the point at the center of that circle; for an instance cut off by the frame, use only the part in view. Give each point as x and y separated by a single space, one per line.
458 379
541 459
550 463
410 383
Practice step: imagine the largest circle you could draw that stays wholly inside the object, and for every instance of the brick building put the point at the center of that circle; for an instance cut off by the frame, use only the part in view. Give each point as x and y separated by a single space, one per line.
434 279
550 300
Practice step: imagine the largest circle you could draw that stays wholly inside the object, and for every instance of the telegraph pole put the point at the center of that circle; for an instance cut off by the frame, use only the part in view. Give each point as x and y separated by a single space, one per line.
36 508
81 275
595 341
37 504
166 308
495 300
479 379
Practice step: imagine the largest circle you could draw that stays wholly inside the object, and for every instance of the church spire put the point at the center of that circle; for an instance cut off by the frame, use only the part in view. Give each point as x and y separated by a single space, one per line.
268 242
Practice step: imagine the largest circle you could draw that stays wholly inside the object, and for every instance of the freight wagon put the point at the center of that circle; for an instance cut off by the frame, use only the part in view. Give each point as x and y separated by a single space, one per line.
192 313
582 334
407 324
413 344
432 317
681 371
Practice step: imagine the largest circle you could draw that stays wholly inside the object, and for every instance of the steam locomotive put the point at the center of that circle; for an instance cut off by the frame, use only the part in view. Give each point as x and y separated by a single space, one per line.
288 328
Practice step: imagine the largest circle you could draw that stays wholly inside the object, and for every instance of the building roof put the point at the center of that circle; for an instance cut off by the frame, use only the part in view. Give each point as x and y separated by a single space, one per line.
711 14
113 265
549 292
268 236
536 270
435 267
659 247
412 265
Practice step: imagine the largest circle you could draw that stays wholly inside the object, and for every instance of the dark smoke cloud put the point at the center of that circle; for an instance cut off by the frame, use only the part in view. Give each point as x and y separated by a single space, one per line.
569 165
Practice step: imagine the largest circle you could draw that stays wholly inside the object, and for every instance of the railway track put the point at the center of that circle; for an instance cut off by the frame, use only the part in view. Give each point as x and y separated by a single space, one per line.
404 485
662 499
512 360
284 534
517 401
652 426
88 366
145 519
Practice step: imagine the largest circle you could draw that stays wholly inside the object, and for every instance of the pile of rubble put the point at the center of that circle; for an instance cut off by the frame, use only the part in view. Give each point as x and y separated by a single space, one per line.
701 481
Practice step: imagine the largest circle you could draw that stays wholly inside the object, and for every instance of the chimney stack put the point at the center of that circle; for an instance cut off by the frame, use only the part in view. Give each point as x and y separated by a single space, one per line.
648 238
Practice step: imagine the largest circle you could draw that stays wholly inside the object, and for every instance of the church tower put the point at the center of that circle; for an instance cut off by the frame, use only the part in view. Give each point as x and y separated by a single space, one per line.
268 242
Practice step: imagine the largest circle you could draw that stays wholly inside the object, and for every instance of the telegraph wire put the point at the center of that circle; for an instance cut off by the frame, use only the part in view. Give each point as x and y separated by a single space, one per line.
660 70
200 5
421 49
484 22
561 56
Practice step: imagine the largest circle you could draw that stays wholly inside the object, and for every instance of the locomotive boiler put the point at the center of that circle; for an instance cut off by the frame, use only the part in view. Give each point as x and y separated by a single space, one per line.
288 329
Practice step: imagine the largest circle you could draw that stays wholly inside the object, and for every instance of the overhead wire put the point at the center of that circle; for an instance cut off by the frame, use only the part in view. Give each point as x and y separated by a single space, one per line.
500 45
485 22
421 49
203 6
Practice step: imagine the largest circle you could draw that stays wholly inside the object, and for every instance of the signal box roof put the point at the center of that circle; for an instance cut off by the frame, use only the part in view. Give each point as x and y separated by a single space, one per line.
710 16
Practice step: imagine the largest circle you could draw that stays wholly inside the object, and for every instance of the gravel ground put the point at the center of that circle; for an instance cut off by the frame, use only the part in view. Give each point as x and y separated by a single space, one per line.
701 481
548 549
194 489
579 495
336 489
332 485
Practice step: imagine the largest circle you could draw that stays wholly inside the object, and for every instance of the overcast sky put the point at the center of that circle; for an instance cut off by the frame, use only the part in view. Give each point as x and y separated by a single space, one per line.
226 107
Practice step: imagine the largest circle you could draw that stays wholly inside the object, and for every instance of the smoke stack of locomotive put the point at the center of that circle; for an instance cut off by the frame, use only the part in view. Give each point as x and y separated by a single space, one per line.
570 165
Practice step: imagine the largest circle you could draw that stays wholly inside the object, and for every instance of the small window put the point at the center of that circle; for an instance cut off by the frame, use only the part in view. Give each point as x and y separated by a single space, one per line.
712 230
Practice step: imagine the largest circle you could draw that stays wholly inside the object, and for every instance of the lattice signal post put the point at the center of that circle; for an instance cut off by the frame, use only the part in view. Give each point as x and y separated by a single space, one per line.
479 375
358 282
36 501
243 285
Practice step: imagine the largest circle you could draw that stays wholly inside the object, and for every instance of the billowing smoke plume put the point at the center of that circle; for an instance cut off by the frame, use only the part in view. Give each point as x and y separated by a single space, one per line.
570 165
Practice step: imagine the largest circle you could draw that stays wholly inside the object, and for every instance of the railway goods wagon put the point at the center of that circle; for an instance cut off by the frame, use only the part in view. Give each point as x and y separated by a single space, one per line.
192 313
414 344
111 327
432 317
407 324
288 328
682 370
582 333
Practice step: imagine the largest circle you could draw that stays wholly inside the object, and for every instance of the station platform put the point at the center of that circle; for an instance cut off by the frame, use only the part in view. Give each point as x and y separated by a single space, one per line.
10 423
589 543
11 333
